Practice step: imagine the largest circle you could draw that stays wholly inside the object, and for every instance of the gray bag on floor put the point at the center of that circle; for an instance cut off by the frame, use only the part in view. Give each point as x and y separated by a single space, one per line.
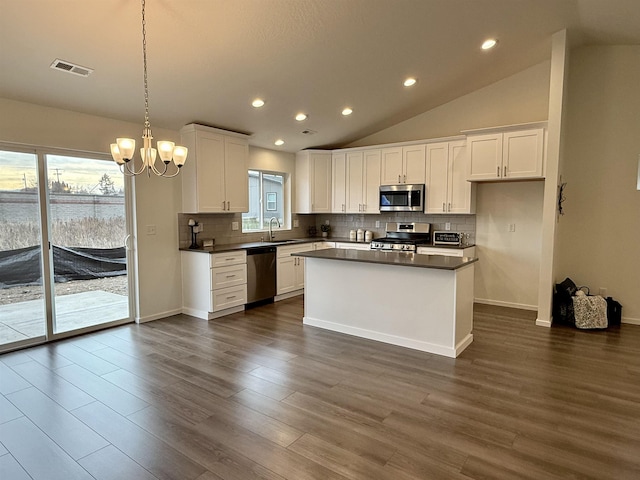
590 311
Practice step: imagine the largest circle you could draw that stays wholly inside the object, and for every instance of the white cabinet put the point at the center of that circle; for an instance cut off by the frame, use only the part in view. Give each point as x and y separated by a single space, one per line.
448 190
506 155
214 285
449 252
356 181
214 178
403 165
338 182
289 269
313 181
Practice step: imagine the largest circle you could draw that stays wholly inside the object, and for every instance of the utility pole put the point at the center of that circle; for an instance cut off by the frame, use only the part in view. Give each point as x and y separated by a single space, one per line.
58 172
24 179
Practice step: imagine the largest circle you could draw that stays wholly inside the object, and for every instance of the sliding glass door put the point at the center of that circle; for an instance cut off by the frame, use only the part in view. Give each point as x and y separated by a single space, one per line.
22 299
87 231
76 206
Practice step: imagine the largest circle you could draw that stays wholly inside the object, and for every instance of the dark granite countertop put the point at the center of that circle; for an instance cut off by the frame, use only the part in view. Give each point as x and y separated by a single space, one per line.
276 243
406 259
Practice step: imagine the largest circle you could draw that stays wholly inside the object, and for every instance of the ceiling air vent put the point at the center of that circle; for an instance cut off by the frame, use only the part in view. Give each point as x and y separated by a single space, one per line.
69 67
308 132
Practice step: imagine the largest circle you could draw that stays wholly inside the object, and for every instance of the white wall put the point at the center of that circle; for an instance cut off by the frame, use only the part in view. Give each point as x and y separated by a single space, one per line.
600 231
521 98
157 199
507 273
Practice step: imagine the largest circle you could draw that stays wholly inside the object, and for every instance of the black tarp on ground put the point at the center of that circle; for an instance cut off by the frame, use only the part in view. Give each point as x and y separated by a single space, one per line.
22 266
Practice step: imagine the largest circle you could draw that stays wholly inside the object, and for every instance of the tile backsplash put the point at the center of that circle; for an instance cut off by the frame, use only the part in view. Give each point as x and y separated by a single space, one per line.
219 226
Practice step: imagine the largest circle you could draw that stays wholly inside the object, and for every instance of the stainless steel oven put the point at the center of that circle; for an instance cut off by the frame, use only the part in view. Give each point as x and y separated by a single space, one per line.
402 198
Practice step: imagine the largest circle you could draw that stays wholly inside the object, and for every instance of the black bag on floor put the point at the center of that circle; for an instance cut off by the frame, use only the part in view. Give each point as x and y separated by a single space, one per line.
614 311
563 302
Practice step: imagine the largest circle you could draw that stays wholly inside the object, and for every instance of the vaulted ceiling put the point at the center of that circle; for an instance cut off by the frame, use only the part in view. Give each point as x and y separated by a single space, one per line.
208 59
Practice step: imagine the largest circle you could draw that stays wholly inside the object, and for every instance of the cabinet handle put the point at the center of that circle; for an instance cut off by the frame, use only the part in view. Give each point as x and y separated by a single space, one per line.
505 171
449 208
223 205
228 205
443 209
230 297
398 178
364 207
405 179
230 276
498 172
344 207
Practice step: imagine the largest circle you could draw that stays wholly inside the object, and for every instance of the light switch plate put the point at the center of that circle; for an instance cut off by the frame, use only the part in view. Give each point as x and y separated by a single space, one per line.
234 226
296 223
151 229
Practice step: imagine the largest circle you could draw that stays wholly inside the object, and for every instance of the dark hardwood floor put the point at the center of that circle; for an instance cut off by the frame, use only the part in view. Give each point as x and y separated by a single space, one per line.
256 395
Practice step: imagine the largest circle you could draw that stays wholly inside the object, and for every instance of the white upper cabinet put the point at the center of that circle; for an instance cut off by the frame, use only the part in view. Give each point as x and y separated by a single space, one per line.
506 155
371 181
313 181
403 165
338 182
215 176
448 190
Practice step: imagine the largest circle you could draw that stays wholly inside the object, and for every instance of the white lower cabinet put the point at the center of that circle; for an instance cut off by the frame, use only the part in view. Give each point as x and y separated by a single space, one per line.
450 252
290 270
215 284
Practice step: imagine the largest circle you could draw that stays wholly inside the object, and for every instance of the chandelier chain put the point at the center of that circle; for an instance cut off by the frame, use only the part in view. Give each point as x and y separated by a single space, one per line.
144 62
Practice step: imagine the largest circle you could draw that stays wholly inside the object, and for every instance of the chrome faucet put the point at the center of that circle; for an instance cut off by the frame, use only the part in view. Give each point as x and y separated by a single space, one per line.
271 234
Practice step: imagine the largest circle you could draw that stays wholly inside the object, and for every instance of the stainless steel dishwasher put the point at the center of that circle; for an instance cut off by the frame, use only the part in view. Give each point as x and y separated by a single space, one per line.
261 274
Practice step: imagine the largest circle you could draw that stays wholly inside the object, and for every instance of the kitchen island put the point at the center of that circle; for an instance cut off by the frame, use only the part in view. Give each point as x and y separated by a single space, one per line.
424 302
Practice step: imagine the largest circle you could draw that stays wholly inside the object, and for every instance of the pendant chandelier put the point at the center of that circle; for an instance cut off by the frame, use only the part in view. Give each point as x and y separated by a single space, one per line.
124 149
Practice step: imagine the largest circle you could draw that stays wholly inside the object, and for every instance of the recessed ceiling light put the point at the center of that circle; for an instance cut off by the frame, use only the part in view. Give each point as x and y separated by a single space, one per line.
279 142
257 103
410 82
489 43
301 116
347 111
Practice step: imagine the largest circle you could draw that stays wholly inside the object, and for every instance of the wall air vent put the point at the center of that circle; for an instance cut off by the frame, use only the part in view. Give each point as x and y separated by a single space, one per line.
308 132
69 67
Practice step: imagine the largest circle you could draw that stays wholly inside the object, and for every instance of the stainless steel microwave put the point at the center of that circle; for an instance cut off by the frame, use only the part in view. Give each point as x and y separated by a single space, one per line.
402 198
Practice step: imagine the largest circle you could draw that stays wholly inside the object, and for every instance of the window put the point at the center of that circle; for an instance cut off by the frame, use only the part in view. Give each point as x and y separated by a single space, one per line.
267 199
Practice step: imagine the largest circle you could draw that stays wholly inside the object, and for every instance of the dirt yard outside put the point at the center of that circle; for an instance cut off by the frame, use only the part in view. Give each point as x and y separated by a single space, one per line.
117 285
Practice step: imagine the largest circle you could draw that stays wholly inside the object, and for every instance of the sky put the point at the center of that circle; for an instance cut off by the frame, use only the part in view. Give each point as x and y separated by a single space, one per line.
18 169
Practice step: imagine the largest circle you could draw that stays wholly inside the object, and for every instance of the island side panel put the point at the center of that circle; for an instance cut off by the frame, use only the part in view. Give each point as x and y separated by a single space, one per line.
406 306
464 307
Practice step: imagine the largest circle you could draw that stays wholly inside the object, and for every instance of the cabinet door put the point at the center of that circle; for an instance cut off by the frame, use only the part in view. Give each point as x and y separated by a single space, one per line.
414 164
371 194
485 156
355 175
285 275
321 182
459 190
523 153
391 166
338 182
437 177
209 158
236 174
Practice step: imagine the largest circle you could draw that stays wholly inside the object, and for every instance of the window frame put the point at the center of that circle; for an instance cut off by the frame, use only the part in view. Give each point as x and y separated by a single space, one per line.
286 200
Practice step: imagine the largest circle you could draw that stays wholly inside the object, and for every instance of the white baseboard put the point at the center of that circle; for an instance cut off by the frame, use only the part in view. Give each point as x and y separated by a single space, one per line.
499 303
447 351
543 323
158 316
631 321
284 296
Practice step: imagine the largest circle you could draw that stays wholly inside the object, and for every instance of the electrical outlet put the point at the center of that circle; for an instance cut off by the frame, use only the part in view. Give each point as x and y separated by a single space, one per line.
447 226
296 223
326 222
377 223
234 226
199 228
151 229
512 227
602 291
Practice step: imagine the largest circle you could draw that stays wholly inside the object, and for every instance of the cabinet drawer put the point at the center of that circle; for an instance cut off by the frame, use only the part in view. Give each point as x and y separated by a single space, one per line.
223 277
235 257
450 252
228 297
287 251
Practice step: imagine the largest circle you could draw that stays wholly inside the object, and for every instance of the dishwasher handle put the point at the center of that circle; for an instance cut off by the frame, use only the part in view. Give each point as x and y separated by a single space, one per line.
260 250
